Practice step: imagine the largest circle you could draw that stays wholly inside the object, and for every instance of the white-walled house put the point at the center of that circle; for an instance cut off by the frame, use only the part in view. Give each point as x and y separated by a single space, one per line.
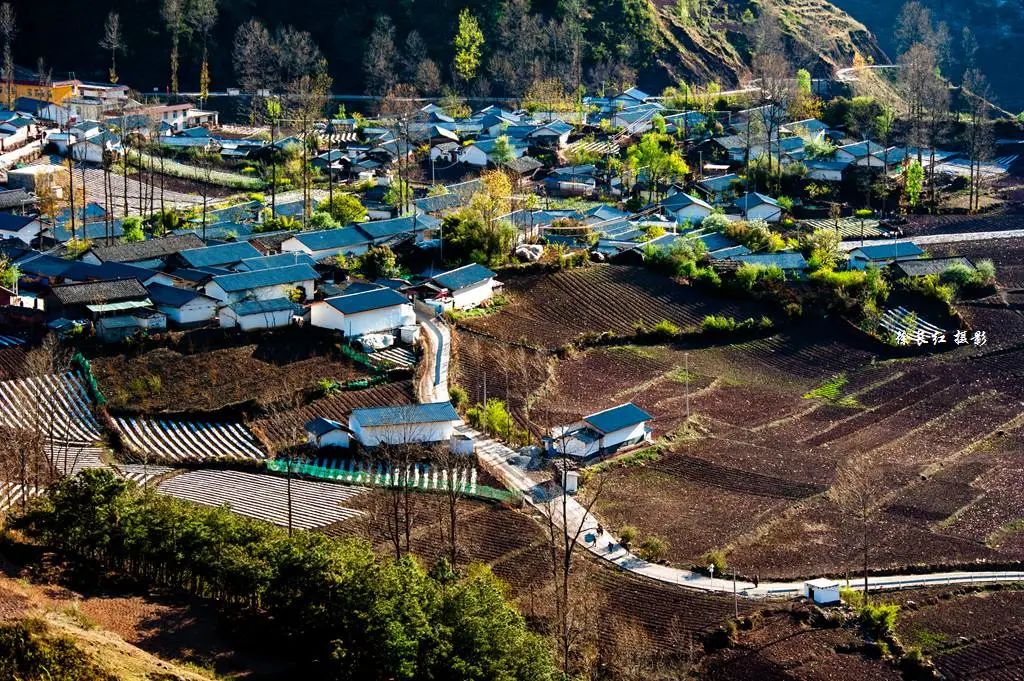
466 287
602 433
822 591
276 282
686 208
328 242
324 432
881 255
250 315
183 306
759 207
404 424
25 228
357 314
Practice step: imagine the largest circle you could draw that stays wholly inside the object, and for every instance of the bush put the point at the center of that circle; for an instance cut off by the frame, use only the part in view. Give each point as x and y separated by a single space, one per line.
665 329
715 324
879 618
328 387
29 651
715 557
494 419
627 535
915 665
930 286
653 549
458 396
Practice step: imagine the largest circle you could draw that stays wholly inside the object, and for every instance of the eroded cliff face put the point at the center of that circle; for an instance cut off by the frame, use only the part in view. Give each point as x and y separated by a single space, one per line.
819 37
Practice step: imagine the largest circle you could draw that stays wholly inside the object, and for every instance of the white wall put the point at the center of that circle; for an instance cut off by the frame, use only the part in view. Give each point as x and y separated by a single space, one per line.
195 312
334 438
252 322
325 316
293 246
693 213
401 434
471 296
474 156
214 290
765 212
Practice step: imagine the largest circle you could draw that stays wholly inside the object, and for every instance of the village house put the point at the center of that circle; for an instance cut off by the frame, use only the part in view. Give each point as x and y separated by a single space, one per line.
118 308
327 243
22 227
404 424
720 190
220 256
250 315
881 255
755 206
323 432
278 282
602 433
152 253
464 287
792 264
185 307
923 267
378 310
687 208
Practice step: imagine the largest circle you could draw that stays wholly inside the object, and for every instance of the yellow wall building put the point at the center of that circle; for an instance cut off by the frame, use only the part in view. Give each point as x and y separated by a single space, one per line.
56 92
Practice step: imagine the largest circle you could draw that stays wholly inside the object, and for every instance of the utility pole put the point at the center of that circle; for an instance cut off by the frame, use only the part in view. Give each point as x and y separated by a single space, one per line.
686 380
288 460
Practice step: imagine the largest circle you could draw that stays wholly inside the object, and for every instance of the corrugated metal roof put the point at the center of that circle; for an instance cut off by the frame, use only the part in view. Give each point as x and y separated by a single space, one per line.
405 414
365 301
224 254
329 239
885 251
251 307
464 276
617 418
275 276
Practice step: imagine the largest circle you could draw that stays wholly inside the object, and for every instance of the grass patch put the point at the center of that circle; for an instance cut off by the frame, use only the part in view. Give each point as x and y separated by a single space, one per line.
634 350
929 640
832 391
681 375
485 309
1003 533
641 457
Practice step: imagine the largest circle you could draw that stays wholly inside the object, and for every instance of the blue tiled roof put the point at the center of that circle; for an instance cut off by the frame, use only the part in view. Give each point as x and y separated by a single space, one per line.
225 254
330 239
365 301
617 418
81 271
171 296
383 229
720 183
13 223
276 276
680 200
755 199
896 250
251 307
321 426
279 260
45 266
464 276
405 414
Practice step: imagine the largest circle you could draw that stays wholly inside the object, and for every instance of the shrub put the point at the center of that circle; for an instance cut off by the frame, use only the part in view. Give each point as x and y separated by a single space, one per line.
985 273
915 665
494 419
715 557
708 277
716 324
30 651
627 535
653 549
716 222
930 286
665 329
328 387
458 396
131 229
879 618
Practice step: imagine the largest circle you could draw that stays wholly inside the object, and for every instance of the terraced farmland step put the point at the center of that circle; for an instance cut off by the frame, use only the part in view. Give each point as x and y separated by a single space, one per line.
734 480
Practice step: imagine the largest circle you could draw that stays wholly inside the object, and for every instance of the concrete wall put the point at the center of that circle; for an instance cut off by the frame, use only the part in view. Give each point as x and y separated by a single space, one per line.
214 290
401 434
325 316
335 438
471 296
252 322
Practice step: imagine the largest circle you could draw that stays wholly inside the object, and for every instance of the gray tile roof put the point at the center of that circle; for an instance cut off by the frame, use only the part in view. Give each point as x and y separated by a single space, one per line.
97 292
147 250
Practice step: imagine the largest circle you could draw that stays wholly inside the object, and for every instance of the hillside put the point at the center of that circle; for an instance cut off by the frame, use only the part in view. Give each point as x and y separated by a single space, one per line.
657 41
998 27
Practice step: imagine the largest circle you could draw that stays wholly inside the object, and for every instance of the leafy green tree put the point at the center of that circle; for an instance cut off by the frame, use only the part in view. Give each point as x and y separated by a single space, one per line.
323 220
914 183
8 273
469 42
650 155
803 81
378 262
503 152
398 194
467 236
132 230
344 208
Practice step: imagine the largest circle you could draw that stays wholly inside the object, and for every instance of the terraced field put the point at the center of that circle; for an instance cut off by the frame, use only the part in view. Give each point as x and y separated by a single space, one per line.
288 427
265 497
56 405
12 361
549 310
150 439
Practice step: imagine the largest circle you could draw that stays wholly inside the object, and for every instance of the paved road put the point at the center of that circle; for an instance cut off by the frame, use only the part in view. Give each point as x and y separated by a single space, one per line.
938 238
438 353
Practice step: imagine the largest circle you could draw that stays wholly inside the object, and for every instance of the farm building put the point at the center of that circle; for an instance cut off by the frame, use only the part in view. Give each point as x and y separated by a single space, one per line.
404 424
465 287
184 307
327 242
24 228
922 267
721 189
686 208
322 432
119 308
759 207
825 171
822 591
881 255
277 282
356 314
259 314
150 253
222 255
602 433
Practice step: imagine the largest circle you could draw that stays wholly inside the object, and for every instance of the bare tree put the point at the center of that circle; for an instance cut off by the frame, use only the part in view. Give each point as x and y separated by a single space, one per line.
443 459
857 491
253 61
113 41
380 57
307 101
775 80
978 133
8 31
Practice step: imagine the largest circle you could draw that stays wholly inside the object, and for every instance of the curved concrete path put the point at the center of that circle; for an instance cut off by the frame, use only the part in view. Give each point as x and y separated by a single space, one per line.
434 386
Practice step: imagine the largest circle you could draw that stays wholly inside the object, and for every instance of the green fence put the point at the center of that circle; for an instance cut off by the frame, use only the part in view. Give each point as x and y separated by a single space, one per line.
82 364
377 479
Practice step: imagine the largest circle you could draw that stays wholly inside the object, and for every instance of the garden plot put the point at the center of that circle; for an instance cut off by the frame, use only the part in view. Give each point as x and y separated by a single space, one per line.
265 497
850 228
56 405
906 325
140 474
12 495
12 361
158 439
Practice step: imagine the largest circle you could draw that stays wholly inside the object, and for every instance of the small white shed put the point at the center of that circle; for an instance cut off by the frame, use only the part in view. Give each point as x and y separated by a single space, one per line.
822 591
467 286
259 314
378 310
323 432
404 424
